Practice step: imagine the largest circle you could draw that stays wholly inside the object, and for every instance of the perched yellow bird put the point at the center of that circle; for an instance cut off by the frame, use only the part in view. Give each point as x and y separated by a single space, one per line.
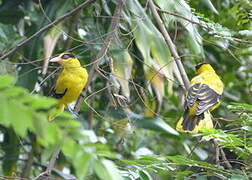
202 97
70 82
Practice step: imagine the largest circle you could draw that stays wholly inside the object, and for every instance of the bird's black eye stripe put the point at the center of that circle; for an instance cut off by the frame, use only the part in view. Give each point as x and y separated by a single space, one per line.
66 56
199 65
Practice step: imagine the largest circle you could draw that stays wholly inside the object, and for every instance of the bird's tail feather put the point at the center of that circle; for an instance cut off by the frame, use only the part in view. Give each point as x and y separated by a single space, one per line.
56 111
193 124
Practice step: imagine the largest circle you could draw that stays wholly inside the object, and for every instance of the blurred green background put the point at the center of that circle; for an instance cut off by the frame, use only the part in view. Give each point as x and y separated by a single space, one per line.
126 123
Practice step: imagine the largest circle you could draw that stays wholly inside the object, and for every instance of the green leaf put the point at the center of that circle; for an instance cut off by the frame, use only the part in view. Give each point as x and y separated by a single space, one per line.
150 42
181 7
20 118
122 66
69 148
153 123
4 112
81 163
16 93
144 175
181 160
100 170
112 169
42 102
52 134
234 107
6 81
226 139
39 120
183 174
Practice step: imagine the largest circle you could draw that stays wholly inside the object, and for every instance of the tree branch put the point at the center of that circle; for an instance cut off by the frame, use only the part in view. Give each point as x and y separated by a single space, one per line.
170 44
55 22
107 42
220 152
46 174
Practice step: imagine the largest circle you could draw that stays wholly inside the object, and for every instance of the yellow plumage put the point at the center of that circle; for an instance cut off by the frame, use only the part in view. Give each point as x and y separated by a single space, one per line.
202 97
70 82
205 123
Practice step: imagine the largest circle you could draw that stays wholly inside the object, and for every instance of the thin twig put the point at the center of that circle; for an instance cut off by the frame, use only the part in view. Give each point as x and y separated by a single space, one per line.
112 30
55 22
223 119
185 18
224 158
90 111
170 44
223 155
217 154
46 174
41 176
53 160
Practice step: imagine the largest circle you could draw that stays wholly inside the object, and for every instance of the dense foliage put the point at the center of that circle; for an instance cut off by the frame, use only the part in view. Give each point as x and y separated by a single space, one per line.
126 125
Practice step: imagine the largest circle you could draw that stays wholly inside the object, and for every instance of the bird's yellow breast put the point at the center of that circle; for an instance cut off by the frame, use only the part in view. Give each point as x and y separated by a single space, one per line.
72 79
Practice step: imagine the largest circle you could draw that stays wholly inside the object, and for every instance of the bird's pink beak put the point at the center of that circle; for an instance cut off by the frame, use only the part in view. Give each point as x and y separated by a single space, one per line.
55 59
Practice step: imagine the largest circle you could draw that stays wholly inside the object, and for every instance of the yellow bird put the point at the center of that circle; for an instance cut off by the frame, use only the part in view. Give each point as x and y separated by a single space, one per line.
70 82
202 97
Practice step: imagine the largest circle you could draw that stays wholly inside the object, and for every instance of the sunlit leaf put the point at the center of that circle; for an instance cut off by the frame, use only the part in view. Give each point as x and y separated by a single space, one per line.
6 81
81 164
112 170
122 66
100 170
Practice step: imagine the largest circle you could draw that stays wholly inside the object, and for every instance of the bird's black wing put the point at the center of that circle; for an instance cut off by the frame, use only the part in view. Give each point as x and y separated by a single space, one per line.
203 95
58 95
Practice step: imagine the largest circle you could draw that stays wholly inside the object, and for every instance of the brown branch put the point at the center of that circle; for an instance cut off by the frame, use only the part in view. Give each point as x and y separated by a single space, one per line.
107 42
48 26
217 154
222 154
53 160
224 158
170 44
46 174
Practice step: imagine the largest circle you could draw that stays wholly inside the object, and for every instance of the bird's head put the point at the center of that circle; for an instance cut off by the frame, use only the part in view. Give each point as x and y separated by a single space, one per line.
203 67
66 60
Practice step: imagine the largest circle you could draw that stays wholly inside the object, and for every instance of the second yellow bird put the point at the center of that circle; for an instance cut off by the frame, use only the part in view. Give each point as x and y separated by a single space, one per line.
202 97
70 82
